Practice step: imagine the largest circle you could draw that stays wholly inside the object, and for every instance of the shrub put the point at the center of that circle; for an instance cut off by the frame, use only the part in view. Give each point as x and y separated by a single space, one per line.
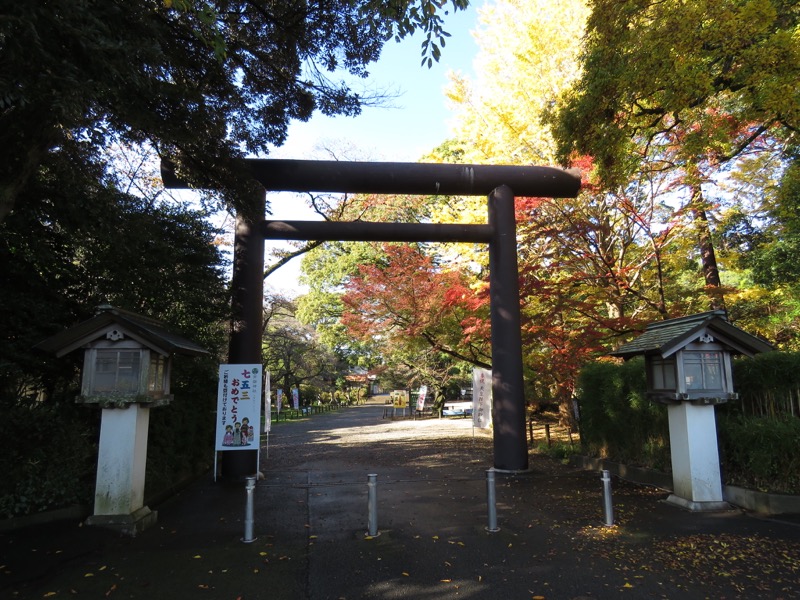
48 457
768 384
181 435
558 450
760 452
616 419
756 451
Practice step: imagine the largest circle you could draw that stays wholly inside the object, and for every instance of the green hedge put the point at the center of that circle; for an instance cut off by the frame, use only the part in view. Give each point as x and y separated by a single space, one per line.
181 435
759 452
616 420
768 385
47 457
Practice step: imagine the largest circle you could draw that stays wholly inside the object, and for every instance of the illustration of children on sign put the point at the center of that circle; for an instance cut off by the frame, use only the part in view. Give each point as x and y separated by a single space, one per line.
248 432
227 439
239 434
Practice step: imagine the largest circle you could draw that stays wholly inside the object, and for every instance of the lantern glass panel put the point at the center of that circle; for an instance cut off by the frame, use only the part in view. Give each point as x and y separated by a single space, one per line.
116 371
157 377
703 370
663 374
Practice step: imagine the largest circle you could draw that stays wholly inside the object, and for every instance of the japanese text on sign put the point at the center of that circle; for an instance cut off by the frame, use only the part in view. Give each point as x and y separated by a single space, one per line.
239 407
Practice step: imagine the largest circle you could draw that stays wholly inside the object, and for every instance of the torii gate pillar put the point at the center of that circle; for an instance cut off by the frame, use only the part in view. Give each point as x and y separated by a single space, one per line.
247 306
510 444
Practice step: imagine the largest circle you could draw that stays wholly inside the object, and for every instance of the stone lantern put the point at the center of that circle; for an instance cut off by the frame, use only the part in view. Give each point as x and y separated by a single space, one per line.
688 364
126 371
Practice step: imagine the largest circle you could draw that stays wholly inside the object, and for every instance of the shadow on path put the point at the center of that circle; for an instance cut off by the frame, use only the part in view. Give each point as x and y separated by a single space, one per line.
311 519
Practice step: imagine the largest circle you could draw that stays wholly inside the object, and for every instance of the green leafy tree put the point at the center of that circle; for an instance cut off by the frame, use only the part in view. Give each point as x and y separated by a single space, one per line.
777 261
76 243
759 235
685 87
719 71
292 353
326 270
204 82
328 266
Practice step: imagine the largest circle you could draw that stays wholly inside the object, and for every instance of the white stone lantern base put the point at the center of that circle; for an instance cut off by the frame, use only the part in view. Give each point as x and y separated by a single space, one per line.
121 461
696 480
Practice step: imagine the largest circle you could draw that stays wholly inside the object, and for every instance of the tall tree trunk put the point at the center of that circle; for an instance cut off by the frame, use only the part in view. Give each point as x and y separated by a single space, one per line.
707 256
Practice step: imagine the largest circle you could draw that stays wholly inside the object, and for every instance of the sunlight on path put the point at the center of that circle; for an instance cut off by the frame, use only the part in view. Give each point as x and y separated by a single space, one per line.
388 430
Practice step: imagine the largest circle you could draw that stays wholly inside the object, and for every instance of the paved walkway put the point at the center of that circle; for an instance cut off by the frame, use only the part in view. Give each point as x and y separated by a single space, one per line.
311 519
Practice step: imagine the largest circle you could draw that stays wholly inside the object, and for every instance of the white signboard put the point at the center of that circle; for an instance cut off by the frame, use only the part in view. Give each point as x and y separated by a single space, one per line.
239 407
423 391
481 398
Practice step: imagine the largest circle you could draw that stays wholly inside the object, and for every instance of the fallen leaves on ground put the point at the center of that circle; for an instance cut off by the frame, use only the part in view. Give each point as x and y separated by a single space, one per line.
749 564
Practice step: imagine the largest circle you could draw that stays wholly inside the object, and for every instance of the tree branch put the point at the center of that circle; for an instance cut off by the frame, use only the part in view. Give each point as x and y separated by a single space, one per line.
285 259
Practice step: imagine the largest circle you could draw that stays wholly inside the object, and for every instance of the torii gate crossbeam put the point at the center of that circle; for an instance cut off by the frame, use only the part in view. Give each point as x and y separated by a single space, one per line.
499 183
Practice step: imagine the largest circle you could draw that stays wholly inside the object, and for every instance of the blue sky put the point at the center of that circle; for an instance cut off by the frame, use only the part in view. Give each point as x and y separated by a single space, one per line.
418 121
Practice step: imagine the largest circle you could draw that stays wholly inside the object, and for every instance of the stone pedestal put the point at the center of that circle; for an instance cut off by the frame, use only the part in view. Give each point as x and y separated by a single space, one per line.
122 457
696 477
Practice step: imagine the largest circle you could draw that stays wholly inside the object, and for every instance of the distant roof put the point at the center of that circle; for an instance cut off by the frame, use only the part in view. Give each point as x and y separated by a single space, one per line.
150 331
666 337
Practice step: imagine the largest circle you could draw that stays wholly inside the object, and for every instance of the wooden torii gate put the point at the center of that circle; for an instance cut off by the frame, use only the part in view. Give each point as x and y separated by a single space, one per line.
500 183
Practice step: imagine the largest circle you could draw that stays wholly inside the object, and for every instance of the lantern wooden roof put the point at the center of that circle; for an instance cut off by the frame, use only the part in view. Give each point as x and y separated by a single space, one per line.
146 330
664 338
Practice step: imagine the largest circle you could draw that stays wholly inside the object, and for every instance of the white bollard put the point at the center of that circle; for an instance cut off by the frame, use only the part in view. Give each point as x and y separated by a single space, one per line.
608 507
372 505
248 512
491 501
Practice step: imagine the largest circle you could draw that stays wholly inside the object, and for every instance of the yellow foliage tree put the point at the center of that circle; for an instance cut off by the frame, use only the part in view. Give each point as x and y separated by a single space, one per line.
528 51
528 55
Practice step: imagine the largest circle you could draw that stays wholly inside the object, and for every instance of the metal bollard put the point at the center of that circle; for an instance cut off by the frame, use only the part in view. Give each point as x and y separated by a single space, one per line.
608 508
248 512
491 500
372 505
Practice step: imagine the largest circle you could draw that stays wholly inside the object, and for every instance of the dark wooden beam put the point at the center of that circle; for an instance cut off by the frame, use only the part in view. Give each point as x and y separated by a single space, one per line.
402 178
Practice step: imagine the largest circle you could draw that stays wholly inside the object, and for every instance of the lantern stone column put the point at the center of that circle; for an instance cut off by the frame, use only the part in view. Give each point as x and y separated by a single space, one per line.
696 480
122 458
